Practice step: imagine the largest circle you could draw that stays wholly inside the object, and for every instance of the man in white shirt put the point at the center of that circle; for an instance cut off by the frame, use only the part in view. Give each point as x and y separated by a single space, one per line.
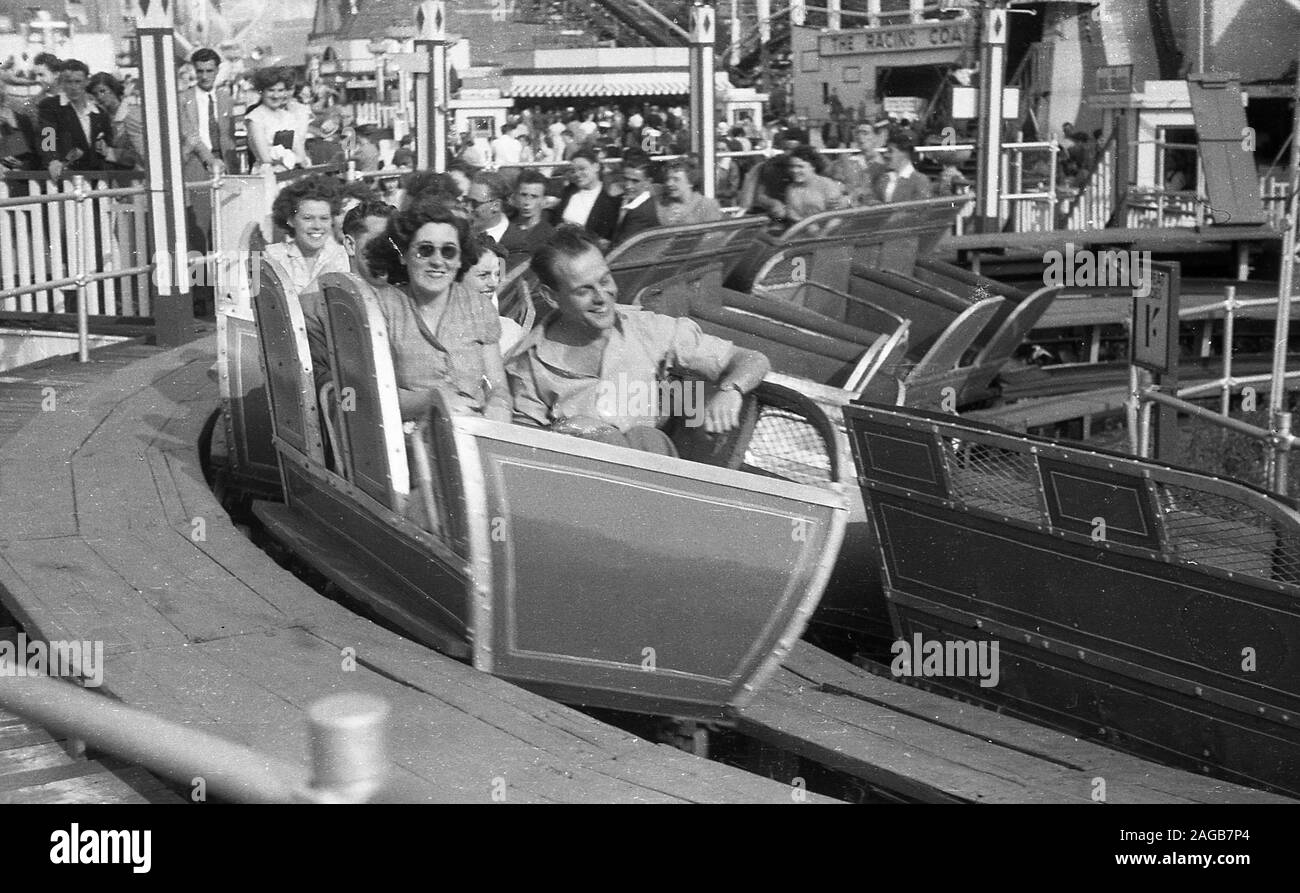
72 128
207 135
506 149
637 213
486 201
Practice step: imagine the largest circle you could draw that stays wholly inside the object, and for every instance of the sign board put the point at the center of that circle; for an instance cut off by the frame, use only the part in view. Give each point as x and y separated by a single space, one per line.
412 63
909 107
939 35
965 102
1154 331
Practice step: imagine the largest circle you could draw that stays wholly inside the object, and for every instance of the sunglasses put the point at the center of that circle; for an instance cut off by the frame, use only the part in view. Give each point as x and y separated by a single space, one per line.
426 250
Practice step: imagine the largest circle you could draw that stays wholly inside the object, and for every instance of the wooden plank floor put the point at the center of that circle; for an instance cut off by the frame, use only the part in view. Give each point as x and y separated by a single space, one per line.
101 496
36 767
934 749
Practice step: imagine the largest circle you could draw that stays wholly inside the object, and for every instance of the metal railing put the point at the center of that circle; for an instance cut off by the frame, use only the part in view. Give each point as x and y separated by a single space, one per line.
1143 395
84 237
347 745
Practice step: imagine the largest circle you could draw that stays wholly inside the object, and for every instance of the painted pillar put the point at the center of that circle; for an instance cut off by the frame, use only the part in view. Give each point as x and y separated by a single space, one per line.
173 306
735 33
703 88
992 76
431 86
833 18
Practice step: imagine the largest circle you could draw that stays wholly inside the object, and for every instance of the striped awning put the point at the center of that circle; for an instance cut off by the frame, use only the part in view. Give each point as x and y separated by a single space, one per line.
620 83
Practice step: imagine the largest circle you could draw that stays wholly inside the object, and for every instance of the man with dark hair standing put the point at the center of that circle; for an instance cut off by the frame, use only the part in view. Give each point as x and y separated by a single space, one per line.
207 135
72 127
529 230
637 212
902 182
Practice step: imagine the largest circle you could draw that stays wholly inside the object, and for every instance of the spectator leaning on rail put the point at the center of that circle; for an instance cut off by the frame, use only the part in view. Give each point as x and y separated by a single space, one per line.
443 336
73 129
277 127
125 151
680 204
591 347
305 210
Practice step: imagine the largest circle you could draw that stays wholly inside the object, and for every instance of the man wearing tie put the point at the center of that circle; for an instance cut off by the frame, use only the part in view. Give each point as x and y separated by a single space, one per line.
902 182
207 135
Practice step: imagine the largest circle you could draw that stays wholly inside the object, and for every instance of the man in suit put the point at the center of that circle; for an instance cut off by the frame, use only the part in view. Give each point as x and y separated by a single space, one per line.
74 131
207 136
637 212
585 202
902 182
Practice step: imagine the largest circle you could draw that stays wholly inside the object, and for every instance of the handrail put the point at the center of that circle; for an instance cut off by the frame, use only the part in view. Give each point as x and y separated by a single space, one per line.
346 744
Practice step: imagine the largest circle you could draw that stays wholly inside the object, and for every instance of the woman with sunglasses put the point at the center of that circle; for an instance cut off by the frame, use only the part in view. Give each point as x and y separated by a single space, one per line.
443 335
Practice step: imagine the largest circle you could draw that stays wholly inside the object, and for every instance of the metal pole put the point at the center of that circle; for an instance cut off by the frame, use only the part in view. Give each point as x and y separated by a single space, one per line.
1279 421
173 307
734 58
703 88
1229 335
431 86
347 748
1132 409
992 74
84 251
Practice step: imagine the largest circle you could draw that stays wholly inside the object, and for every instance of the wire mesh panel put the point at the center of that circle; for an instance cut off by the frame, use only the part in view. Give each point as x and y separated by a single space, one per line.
789 446
994 478
1228 534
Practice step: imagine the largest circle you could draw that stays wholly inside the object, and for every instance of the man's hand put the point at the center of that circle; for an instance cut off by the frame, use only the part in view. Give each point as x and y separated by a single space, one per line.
56 170
218 167
722 413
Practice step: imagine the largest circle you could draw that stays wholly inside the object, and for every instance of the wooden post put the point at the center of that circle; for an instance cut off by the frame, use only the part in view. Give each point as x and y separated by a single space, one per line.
703 89
173 307
992 75
431 86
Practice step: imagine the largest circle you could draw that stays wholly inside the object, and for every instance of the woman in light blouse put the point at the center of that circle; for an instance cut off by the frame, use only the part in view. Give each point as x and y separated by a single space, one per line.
277 128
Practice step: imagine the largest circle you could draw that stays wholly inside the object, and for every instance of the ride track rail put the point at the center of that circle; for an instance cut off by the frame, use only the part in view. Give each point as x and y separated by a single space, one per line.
212 634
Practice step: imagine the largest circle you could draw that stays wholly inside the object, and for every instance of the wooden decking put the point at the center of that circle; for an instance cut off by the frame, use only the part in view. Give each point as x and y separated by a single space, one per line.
109 533
927 747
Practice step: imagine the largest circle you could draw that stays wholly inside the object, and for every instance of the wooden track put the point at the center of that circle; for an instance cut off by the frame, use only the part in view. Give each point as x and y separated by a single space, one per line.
101 540
932 748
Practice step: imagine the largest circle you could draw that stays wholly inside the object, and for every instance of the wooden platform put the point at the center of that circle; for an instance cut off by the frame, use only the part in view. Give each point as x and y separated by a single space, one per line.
109 533
934 749
36 767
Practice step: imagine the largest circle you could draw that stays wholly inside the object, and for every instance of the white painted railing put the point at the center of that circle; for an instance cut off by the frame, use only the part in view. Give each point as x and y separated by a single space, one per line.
79 245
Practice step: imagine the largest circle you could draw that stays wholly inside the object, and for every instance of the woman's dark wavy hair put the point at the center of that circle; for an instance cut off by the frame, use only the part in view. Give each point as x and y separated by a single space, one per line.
103 78
386 254
810 155
317 187
266 78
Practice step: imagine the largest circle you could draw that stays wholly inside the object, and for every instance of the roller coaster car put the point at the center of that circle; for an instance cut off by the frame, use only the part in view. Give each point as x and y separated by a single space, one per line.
1149 605
594 574
845 303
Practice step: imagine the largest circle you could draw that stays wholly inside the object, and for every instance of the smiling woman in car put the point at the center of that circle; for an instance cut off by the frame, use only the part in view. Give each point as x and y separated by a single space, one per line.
305 211
443 335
